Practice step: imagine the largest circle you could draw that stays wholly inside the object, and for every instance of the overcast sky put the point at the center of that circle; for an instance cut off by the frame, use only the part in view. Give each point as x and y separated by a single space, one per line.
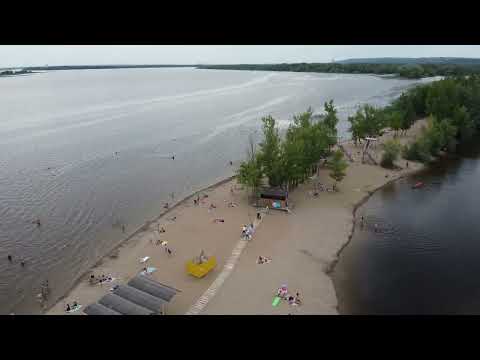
29 55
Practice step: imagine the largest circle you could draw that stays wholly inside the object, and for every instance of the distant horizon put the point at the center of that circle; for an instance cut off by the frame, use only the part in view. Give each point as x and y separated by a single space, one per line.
14 56
239 63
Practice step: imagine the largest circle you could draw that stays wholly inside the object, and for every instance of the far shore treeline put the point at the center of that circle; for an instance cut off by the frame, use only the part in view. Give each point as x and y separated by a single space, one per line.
410 71
452 106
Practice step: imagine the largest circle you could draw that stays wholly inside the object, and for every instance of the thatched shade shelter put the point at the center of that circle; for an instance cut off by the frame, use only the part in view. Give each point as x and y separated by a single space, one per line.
123 306
153 287
141 298
99 309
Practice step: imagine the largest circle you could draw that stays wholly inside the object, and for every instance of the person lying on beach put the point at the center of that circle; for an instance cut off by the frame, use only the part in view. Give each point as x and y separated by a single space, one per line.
219 220
263 260
282 291
232 204
161 230
212 206
167 249
172 218
297 300
291 299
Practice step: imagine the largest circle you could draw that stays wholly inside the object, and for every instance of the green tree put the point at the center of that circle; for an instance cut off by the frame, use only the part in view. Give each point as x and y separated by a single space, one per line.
337 167
250 171
269 155
367 122
331 118
391 151
395 121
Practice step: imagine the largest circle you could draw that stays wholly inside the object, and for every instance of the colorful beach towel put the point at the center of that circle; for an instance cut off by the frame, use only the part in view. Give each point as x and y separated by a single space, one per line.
276 301
74 309
149 271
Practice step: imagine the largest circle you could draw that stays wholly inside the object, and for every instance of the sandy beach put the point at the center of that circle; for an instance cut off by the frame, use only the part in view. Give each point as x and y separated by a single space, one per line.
303 245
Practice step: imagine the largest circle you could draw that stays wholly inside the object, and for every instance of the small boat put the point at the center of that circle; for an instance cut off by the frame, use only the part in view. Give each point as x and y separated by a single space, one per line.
418 185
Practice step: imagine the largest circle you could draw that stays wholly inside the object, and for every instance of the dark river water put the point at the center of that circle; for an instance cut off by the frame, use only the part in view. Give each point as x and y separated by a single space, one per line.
59 131
425 258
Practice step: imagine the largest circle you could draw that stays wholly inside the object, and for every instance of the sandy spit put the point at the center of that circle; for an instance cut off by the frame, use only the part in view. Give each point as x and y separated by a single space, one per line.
303 245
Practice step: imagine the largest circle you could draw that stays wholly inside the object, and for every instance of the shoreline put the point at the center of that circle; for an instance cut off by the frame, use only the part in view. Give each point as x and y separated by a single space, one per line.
142 228
331 267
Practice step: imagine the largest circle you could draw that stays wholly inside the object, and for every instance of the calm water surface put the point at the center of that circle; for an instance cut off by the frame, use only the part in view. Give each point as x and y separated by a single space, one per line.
59 131
426 257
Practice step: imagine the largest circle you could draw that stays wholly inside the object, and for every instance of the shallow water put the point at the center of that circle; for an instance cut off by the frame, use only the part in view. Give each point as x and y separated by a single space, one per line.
425 257
59 131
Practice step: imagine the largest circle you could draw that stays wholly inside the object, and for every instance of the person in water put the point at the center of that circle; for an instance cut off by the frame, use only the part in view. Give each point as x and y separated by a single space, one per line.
173 157
22 263
9 258
123 229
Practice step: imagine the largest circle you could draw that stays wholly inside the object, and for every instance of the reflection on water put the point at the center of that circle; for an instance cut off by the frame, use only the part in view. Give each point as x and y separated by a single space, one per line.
424 259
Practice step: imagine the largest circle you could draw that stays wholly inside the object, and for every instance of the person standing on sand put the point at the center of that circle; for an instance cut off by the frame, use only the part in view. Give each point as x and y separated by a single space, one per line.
376 227
123 228
362 222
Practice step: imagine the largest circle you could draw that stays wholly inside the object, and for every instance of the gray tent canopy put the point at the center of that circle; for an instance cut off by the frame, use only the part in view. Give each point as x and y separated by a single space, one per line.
99 309
123 306
143 283
141 298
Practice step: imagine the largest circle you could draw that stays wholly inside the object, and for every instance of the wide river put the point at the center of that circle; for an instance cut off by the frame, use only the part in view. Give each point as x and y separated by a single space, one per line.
425 257
59 132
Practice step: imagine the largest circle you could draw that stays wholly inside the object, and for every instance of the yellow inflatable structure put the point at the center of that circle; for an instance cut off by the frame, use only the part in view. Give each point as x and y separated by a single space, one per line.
200 270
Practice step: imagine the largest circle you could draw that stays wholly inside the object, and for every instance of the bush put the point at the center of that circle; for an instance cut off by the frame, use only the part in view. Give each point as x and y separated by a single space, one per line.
390 155
418 151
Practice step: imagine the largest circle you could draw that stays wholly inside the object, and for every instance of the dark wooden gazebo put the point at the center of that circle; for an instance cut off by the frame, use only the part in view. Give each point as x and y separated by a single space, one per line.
274 198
